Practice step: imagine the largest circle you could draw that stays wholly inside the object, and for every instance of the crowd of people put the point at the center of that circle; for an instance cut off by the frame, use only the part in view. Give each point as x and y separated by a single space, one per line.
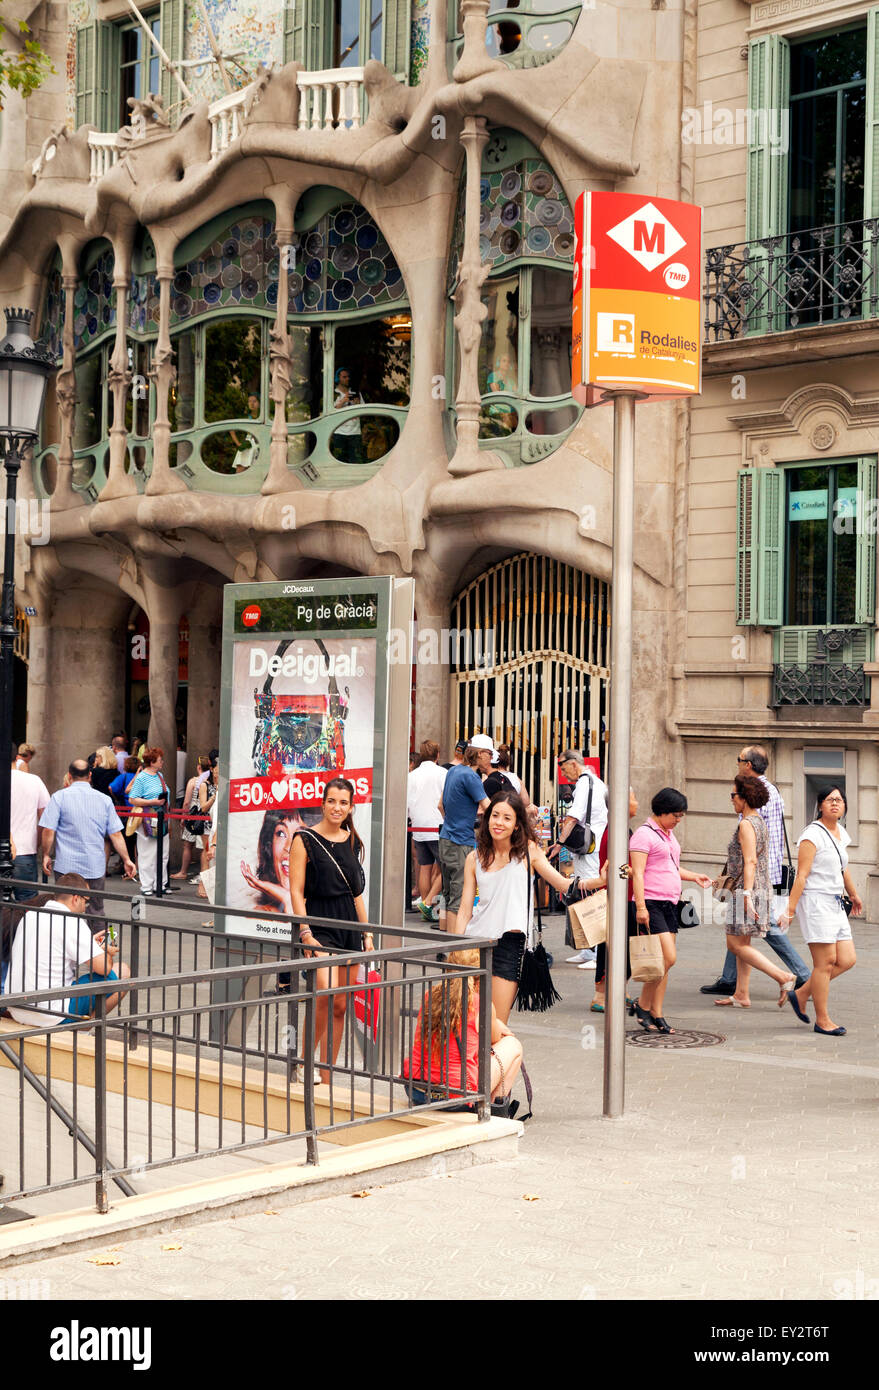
477 857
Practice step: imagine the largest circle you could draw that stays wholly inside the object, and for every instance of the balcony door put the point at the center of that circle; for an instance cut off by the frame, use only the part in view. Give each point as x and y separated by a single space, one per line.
357 32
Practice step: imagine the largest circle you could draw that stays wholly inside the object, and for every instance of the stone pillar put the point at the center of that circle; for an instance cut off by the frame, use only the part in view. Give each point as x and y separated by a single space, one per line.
77 677
65 393
164 606
432 699
468 457
278 478
164 374
119 483
203 712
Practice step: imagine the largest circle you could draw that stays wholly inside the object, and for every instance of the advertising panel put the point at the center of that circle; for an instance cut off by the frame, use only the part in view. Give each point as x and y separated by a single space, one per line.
636 297
305 698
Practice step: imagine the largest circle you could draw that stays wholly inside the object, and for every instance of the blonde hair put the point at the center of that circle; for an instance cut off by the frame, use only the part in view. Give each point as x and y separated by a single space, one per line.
443 1011
106 757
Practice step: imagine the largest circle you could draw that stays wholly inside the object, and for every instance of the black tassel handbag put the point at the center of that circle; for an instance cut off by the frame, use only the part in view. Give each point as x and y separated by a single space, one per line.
537 993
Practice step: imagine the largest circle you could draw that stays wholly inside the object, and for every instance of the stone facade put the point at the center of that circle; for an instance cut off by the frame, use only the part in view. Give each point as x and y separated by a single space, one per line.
795 386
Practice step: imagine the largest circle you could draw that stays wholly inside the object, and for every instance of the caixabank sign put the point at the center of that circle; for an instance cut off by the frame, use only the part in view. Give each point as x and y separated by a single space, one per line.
637 297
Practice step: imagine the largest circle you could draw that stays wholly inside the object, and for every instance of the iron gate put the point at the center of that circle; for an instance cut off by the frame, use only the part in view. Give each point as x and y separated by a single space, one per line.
530 665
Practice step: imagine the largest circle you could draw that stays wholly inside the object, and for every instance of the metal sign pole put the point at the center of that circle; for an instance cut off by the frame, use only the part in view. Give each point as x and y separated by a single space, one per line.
620 748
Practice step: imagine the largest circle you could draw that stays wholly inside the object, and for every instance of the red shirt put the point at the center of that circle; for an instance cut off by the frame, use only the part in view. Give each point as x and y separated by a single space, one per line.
445 1066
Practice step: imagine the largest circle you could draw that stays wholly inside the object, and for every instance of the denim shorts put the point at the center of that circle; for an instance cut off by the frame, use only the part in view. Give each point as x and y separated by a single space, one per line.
506 958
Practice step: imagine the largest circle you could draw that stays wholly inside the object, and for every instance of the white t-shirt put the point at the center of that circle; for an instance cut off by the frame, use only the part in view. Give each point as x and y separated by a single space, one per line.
423 790
587 865
825 875
50 945
29 800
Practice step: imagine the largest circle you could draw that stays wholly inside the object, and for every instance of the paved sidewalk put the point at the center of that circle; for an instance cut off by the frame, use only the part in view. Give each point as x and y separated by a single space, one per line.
744 1171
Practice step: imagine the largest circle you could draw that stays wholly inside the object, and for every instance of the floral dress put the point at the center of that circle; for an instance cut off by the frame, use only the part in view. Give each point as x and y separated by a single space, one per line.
738 923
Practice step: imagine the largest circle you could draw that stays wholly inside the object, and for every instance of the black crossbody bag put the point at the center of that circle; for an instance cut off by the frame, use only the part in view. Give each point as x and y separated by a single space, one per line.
844 898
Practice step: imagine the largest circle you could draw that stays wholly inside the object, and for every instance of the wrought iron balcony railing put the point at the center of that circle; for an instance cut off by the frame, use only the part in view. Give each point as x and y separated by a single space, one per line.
818 276
818 683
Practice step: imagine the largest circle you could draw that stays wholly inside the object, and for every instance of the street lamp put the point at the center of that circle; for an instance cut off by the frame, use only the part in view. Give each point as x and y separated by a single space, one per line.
25 368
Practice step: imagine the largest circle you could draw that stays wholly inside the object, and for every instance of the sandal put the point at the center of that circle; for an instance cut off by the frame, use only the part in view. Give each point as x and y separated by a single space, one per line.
662 1024
731 1002
646 1020
596 1007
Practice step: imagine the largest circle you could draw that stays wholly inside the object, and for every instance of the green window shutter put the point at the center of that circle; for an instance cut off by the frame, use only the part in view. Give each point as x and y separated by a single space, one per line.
86 76
871 143
865 568
768 89
770 489
303 36
107 74
396 37
295 16
171 18
746 587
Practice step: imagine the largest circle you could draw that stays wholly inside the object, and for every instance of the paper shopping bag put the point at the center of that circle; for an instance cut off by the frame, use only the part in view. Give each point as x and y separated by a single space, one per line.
645 954
366 1002
588 920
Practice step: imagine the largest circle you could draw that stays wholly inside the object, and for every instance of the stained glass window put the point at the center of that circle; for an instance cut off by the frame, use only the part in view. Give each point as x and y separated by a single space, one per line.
52 317
343 262
238 269
94 303
523 214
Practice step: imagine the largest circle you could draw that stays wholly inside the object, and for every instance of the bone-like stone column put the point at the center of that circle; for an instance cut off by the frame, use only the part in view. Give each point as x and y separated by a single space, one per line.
474 61
64 496
164 374
119 483
280 355
468 457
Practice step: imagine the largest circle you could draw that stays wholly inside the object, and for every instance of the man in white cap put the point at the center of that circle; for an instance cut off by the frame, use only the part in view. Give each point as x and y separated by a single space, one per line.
589 810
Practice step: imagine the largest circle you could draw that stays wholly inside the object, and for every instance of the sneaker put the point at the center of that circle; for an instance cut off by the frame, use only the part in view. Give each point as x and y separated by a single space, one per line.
586 965
586 954
425 911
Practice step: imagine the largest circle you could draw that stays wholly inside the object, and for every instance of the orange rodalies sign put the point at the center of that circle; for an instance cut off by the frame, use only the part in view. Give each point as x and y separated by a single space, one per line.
637 297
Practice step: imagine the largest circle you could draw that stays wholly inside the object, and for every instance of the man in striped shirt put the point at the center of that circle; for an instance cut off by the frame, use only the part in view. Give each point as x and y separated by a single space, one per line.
755 759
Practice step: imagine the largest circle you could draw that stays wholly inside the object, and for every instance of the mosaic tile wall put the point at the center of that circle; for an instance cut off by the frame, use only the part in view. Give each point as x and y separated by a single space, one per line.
344 262
523 213
420 41
253 30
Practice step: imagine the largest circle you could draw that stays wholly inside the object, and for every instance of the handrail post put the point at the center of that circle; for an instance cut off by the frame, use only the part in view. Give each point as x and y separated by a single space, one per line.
134 967
101 1197
160 835
310 1042
483 1108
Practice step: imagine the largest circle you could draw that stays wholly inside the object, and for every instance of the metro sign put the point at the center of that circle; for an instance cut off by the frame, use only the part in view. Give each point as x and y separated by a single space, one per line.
648 236
637 288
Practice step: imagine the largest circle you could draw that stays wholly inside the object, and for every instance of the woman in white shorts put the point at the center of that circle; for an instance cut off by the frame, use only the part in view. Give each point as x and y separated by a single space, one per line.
816 901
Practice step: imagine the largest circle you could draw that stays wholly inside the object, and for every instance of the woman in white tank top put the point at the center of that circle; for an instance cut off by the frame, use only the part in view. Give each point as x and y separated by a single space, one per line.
499 870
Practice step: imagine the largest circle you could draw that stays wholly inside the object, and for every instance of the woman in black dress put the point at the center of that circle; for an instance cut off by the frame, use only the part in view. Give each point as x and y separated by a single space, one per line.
327 880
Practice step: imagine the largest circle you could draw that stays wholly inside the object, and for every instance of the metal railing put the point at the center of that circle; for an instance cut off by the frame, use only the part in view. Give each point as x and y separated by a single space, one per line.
817 276
211 1061
818 683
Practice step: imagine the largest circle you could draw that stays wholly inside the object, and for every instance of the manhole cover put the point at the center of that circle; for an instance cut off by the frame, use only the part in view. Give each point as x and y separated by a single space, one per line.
685 1037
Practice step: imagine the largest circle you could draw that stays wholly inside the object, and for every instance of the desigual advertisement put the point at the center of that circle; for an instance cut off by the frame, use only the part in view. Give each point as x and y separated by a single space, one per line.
301 710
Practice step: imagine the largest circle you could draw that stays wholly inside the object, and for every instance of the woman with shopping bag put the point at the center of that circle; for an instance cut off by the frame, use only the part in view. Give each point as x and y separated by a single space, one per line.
655 856
500 869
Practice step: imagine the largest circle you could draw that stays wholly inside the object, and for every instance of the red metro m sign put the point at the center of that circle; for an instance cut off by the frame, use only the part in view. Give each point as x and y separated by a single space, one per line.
637 297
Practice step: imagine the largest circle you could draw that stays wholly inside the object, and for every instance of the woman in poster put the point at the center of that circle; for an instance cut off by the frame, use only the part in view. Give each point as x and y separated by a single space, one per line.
326 879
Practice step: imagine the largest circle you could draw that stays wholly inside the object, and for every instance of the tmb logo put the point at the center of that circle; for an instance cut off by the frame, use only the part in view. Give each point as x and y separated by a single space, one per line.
648 236
251 615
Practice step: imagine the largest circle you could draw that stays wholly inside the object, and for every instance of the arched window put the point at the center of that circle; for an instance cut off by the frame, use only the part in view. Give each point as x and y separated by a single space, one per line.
527 238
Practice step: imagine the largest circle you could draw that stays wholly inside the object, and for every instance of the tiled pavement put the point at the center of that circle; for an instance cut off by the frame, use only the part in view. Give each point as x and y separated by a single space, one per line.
745 1170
